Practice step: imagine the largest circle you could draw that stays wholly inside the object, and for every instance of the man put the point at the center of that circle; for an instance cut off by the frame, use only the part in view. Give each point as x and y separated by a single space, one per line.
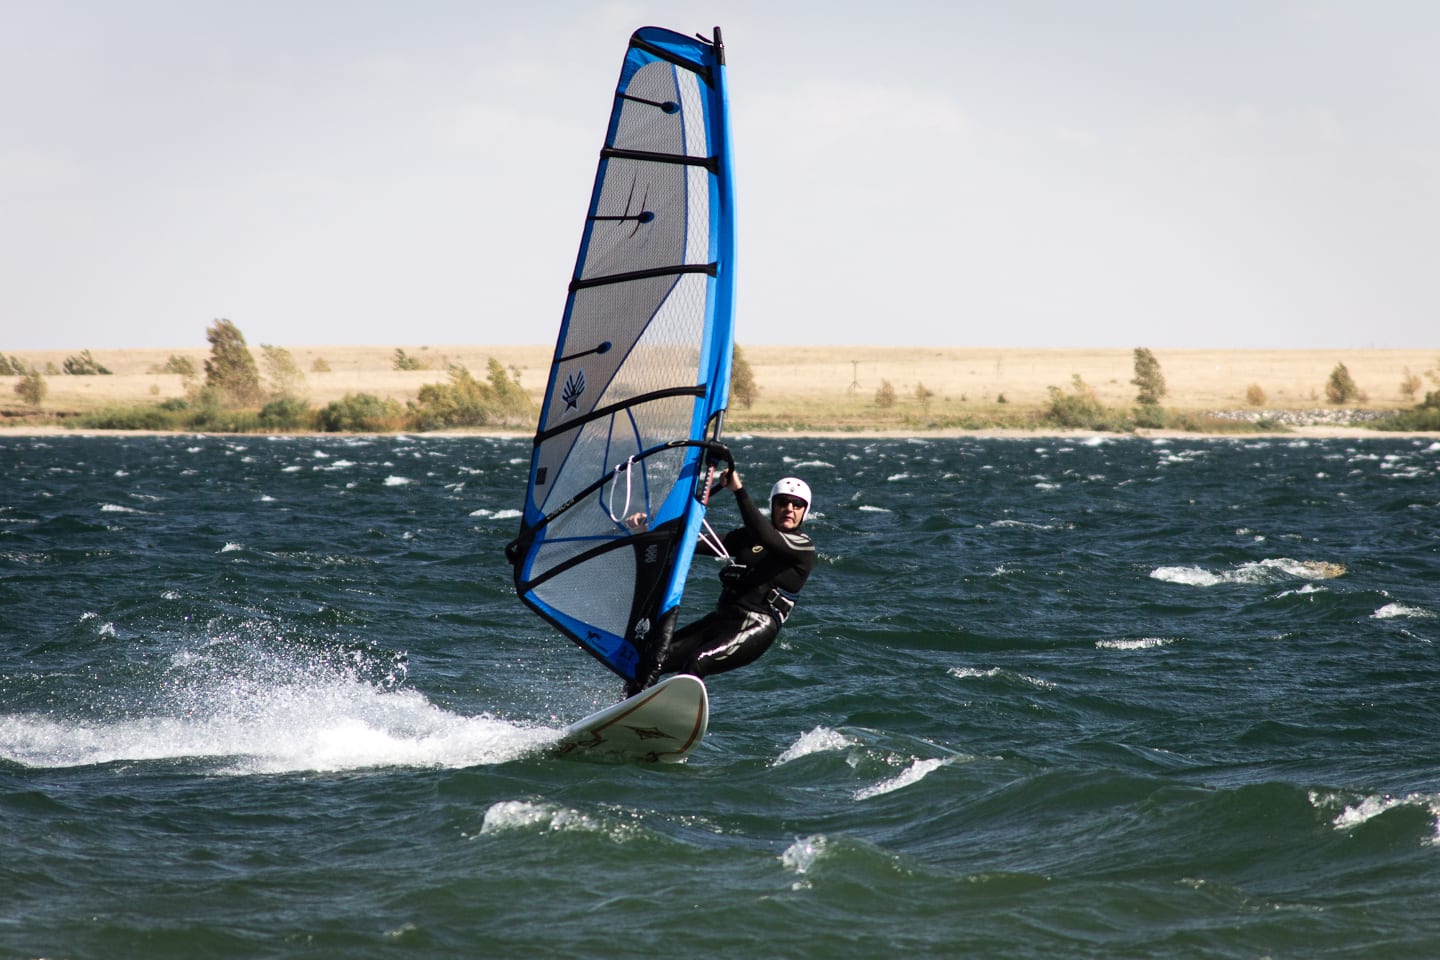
769 563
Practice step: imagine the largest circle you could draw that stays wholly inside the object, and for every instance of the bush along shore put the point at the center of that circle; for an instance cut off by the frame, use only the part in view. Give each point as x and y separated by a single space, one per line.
373 390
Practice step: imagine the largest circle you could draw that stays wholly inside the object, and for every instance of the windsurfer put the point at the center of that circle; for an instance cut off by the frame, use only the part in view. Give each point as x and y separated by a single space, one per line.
769 563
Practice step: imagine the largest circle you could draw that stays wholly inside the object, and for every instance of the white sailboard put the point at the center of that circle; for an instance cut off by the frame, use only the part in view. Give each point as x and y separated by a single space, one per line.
664 722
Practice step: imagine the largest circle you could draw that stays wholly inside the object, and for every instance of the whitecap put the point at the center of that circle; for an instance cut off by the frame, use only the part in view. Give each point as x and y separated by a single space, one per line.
898 476
506 514
812 465
865 508
1259 571
1191 576
965 673
394 481
1144 643
803 854
116 508
818 740
525 815
1391 610
1369 807
231 547
975 673
912 774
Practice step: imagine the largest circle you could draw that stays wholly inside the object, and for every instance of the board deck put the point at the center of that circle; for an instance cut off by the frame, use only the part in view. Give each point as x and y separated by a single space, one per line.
665 722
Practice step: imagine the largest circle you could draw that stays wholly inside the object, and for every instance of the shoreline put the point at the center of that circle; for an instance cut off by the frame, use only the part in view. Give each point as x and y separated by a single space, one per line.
823 391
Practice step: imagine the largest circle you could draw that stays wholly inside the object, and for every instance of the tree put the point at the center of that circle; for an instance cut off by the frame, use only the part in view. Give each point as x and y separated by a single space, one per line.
403 361
231 370
1148 377
1341 387
742 380
286 380
885 394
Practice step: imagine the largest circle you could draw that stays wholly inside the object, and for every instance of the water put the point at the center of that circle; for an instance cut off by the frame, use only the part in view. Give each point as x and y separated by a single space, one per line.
275 697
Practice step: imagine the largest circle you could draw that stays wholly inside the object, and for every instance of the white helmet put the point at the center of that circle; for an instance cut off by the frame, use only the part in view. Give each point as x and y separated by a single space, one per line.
792 487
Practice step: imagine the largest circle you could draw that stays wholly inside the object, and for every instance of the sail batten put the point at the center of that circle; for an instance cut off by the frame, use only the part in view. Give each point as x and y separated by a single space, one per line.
707 268
637 389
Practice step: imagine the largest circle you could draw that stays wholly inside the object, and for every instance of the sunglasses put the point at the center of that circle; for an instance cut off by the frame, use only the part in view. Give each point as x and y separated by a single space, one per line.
794 503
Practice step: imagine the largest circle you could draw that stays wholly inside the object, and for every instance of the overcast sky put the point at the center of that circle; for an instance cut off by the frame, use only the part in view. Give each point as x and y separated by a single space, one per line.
1226 173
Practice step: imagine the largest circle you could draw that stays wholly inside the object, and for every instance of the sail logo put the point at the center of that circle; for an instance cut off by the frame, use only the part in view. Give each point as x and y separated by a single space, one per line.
573 390
652 553
642 627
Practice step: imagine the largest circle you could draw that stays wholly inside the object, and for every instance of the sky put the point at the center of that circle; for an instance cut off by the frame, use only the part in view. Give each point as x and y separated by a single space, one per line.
1234 174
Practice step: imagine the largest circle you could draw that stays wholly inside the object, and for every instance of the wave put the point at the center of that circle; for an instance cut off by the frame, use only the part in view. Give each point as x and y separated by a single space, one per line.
818 740
505 514
1347 813
1144 643
998 673
527 816
239 708
917 771
1392 610
1274 570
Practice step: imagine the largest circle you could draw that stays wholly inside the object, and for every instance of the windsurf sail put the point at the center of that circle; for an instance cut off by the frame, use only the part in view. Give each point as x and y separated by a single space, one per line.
629 432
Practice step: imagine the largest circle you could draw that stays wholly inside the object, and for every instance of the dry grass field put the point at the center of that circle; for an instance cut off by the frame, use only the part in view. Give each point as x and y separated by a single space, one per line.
812 386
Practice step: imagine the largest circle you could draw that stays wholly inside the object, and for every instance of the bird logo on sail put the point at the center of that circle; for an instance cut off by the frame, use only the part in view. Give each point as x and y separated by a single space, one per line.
572 391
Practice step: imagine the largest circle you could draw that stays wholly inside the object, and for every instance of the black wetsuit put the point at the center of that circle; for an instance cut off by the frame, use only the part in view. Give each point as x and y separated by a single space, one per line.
767 569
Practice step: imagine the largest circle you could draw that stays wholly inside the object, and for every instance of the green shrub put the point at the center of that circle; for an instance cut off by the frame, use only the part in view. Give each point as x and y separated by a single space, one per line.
1151 416
181 365
32 388
137 417
82 364
286 413
359 413
1341 388
1079 408
466 402
403 361
1424 416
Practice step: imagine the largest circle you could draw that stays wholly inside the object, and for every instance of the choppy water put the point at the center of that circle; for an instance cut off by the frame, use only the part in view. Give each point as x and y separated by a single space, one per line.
275 697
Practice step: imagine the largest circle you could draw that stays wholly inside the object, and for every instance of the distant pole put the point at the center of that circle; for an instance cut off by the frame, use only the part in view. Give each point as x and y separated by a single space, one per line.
854 375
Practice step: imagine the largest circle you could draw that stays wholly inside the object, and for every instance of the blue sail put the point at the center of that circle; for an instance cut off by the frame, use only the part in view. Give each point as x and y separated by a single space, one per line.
640 378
